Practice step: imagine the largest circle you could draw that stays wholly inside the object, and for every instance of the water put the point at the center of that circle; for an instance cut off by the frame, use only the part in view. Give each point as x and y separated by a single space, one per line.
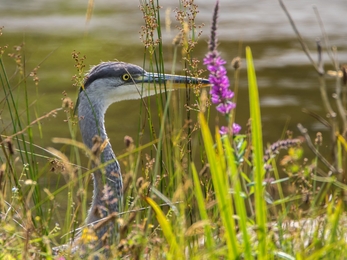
287 81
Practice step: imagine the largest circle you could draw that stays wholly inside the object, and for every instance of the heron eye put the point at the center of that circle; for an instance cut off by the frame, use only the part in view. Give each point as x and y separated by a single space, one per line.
126 77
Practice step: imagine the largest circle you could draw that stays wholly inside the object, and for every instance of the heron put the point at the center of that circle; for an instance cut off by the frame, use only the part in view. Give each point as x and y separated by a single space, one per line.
105 84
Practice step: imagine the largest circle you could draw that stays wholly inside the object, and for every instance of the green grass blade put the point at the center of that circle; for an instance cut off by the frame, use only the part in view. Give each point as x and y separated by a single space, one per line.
257 144
165 225
239 200
201 205
221 188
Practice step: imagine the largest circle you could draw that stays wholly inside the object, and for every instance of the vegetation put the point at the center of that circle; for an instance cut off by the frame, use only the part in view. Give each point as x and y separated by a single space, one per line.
193 191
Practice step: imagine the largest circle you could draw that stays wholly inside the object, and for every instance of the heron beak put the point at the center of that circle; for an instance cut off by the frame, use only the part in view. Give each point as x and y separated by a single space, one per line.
172 81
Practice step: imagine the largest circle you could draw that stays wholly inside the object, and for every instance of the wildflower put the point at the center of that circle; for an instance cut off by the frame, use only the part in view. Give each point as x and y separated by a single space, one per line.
88 235
235 129
221 94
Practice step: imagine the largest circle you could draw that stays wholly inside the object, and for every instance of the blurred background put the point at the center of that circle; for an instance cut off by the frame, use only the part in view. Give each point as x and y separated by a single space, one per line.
53 29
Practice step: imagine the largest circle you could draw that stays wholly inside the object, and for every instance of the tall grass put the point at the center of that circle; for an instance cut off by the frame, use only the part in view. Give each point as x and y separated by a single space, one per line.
190 192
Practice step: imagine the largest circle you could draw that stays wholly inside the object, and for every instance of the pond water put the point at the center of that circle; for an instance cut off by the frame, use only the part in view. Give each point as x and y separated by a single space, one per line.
52 29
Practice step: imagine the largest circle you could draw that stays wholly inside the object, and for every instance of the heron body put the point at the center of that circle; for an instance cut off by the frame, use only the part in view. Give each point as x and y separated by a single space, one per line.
107 83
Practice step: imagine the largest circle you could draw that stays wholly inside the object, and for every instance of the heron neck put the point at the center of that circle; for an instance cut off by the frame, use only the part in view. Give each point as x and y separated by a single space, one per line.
107 179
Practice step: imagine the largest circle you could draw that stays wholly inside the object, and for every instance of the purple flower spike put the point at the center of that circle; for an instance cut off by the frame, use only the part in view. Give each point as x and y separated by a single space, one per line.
236 128
221 94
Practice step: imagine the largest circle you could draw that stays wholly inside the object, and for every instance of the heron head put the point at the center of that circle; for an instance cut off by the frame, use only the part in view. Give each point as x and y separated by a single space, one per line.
111 82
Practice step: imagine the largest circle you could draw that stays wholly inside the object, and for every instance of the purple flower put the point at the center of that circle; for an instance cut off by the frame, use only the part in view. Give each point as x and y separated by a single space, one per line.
235 129
224 130
221 94
225 108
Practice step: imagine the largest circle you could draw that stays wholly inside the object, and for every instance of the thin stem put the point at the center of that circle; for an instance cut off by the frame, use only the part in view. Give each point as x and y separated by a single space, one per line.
314 150
300 39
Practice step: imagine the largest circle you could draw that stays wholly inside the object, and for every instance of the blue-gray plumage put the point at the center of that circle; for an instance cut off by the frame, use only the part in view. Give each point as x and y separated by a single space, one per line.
105 84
